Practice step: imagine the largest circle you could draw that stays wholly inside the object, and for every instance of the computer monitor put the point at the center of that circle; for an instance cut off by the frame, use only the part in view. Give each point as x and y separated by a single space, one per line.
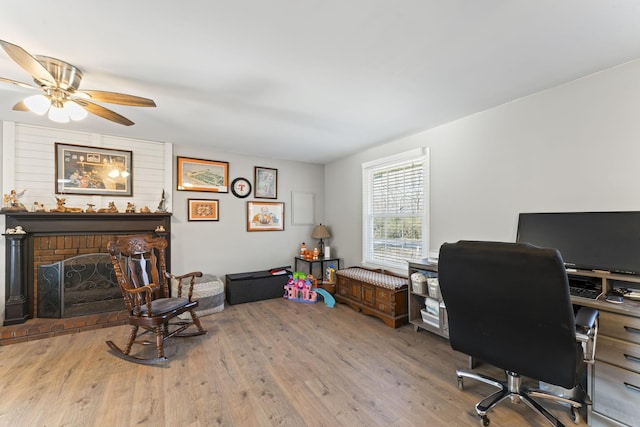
587 240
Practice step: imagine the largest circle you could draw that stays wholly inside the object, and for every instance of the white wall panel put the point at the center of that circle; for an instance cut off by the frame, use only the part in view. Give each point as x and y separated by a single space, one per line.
35 167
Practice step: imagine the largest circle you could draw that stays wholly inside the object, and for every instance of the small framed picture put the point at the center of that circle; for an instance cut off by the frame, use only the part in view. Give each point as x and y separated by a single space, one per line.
203 175
265 183
265 216
203 210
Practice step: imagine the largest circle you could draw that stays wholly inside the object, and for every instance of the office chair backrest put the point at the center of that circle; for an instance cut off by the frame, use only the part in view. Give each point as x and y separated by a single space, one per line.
508 304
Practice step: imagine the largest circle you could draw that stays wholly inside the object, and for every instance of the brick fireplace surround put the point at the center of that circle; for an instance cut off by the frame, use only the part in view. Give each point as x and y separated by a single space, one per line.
53 237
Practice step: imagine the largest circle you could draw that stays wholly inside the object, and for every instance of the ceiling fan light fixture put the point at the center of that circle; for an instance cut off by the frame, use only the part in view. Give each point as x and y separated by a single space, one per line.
57 113
38 104
60 82
74 111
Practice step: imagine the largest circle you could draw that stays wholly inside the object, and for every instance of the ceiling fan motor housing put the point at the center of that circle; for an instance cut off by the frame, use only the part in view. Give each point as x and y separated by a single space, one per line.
66 75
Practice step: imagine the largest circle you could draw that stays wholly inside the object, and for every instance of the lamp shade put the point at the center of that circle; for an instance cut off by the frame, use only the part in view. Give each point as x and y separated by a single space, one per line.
320 232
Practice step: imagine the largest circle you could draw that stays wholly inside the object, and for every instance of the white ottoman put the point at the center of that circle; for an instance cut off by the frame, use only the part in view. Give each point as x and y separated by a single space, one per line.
208 290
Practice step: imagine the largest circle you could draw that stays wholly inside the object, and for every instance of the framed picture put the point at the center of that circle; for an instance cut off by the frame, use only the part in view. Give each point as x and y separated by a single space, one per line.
265 183
265 216
93 170
203 175
203 210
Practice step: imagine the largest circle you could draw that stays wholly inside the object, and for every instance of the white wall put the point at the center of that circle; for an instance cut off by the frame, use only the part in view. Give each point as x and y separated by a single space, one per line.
225 247
572 148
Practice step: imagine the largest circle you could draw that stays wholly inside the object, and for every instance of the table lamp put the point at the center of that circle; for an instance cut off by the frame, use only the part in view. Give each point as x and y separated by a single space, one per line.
320 232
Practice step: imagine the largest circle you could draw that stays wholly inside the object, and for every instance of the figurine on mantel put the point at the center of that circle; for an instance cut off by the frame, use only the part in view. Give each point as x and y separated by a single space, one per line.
17 230
161 208
111 209
131 208
11 202
38 207
62 208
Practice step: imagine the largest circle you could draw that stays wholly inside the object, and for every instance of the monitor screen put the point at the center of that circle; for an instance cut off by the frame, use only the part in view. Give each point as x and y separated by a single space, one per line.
587 240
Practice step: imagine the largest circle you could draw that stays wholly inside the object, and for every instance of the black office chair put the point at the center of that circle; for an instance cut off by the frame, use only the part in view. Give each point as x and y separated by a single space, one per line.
508 304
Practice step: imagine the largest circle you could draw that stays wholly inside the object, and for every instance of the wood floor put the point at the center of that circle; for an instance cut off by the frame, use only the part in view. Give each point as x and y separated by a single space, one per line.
267 363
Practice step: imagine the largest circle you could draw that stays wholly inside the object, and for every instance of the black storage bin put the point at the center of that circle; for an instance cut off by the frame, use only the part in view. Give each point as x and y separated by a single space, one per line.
254 286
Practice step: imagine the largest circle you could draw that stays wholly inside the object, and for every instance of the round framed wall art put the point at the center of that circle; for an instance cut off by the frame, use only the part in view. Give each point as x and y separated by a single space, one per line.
241 187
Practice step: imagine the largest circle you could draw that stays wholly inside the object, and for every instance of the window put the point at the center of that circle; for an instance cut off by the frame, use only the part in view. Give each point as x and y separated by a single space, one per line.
395 196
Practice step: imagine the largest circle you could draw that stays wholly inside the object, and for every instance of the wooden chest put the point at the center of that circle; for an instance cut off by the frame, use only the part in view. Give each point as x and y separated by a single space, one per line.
375 292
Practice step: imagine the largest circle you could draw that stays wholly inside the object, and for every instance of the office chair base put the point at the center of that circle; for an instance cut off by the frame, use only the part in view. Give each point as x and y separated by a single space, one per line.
514 389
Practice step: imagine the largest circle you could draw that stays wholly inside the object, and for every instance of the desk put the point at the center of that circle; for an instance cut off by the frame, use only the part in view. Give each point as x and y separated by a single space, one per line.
324 262
614 379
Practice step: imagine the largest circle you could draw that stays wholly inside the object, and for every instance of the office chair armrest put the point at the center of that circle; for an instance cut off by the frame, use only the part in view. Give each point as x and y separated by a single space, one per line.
586 319
587 332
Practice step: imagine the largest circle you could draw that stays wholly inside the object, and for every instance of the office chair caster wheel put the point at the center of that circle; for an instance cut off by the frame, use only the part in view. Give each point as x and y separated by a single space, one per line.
460 384
484 420
575 416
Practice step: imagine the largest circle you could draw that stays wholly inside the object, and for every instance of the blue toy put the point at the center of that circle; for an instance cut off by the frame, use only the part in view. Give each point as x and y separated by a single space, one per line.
329 300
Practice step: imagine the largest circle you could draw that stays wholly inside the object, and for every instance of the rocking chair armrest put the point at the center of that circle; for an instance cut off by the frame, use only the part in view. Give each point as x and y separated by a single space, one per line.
192 282
143 293
150 289
184 276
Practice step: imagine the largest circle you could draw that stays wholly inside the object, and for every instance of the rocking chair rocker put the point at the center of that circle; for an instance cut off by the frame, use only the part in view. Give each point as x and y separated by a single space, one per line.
140 267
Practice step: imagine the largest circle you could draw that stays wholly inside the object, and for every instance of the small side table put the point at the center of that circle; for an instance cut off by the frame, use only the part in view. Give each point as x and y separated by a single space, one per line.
324 262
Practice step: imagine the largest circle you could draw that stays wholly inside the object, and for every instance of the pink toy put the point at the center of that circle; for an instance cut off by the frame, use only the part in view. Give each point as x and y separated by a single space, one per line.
300 288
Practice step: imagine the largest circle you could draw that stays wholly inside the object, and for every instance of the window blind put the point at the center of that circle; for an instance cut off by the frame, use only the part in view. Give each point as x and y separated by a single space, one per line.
395 209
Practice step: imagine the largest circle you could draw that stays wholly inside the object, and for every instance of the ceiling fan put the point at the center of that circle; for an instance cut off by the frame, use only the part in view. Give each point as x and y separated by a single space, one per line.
62 100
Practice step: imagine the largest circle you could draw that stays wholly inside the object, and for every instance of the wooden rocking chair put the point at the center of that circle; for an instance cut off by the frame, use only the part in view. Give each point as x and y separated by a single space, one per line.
140 267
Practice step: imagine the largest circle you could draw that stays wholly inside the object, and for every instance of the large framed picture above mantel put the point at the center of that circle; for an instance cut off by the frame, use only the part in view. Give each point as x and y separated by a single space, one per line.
93 170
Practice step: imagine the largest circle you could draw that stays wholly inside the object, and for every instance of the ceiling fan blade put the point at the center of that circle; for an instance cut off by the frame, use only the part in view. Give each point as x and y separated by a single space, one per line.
17 83
118 98
21 106
28 62
103 112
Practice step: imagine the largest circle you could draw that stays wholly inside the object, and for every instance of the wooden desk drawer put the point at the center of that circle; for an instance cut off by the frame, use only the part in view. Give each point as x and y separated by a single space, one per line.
617 352
616 393
619 326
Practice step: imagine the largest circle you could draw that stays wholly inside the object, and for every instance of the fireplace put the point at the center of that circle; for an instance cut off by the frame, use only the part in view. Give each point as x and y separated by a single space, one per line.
59 247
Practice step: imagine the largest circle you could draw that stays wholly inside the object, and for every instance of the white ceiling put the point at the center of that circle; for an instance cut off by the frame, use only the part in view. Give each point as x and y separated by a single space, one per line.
311 80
